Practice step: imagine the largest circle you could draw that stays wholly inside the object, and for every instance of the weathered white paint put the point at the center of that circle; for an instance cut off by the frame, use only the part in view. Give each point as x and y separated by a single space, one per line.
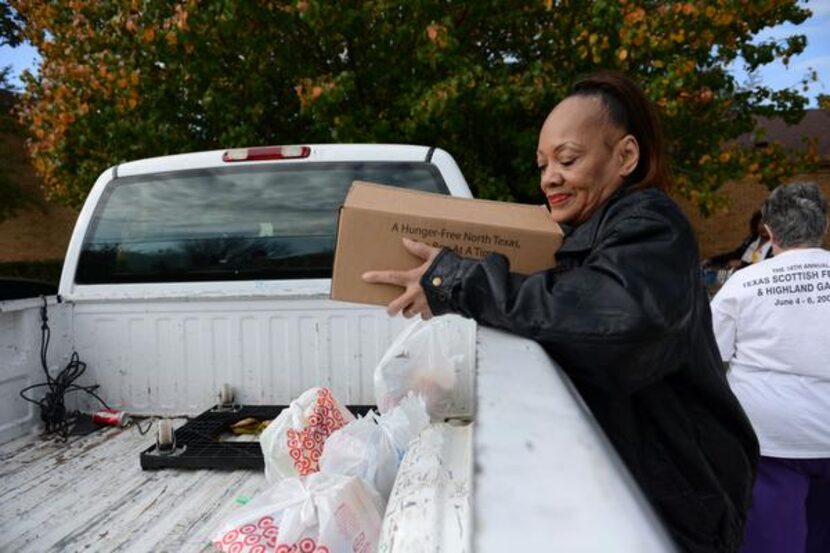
171 357
90 494
546 478
20 365
430 508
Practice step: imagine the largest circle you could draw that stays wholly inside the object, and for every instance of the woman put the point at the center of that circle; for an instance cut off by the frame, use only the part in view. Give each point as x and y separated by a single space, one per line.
624 312
771 323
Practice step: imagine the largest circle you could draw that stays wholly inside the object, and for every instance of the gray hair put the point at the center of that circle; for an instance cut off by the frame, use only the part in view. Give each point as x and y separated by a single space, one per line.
797 215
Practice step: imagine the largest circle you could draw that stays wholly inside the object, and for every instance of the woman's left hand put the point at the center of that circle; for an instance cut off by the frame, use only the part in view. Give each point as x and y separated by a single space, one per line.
413 301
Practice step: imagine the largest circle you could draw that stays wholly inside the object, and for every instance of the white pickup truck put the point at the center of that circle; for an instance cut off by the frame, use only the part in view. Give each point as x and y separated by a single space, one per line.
186 273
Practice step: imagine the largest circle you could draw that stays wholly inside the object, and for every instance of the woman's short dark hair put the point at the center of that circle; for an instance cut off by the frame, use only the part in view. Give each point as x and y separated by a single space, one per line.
629 109
797 215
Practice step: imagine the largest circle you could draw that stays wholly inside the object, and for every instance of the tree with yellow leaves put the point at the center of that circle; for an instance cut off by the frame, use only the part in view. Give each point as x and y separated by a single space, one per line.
135 78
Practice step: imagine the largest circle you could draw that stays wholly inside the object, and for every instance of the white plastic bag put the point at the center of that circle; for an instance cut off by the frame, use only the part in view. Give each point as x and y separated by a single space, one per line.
372 447
293 442
420 360
320 513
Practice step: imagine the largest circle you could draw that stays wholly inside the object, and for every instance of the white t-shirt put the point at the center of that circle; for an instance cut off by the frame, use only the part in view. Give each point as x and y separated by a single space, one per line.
772 324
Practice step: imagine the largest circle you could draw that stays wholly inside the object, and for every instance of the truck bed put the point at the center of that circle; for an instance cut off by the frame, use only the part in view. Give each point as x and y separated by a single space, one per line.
545 476
89 493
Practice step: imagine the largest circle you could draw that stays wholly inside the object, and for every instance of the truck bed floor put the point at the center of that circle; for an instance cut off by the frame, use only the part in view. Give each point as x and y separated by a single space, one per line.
90 494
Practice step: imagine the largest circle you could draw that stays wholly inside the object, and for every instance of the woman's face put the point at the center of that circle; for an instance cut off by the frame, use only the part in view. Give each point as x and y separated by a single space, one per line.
583 158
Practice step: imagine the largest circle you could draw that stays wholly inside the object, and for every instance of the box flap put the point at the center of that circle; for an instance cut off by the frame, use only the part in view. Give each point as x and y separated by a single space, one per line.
392 199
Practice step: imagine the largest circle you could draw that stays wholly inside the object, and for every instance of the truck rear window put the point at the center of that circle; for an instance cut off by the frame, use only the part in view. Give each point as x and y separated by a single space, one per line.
230 223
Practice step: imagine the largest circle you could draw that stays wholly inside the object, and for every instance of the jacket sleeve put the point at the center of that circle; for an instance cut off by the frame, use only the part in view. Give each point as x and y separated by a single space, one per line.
613 321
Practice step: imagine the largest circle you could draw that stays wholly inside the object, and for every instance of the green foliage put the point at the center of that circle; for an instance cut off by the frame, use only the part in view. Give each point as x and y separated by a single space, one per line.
130 79
9 26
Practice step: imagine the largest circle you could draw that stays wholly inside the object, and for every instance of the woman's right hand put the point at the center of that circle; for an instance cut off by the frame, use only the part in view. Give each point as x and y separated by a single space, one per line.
413 301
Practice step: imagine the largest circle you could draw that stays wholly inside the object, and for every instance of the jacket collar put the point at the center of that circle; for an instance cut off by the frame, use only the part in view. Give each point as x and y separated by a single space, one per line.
582 237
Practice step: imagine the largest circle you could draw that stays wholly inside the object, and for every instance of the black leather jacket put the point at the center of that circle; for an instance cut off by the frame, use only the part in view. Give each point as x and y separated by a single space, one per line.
625 315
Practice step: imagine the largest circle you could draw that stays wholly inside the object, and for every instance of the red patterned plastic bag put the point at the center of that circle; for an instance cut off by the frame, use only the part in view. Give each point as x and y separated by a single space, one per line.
293 443
321 513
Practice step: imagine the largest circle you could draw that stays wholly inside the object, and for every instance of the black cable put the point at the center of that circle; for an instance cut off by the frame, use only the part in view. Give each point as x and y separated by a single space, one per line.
52 404
143 431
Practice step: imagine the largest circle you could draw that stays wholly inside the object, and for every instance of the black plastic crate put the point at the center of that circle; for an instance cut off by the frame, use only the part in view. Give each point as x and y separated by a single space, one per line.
198 445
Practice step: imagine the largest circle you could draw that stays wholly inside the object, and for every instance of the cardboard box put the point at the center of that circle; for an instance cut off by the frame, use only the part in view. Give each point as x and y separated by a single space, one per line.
375 218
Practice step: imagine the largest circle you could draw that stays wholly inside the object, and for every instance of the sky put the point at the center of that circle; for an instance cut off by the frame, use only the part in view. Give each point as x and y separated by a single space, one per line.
816 56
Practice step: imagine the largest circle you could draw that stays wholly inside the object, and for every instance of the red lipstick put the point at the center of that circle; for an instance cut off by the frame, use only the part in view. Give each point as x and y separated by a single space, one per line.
556 199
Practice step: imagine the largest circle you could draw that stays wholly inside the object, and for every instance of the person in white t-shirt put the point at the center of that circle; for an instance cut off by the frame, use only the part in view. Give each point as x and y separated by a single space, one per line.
772 325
